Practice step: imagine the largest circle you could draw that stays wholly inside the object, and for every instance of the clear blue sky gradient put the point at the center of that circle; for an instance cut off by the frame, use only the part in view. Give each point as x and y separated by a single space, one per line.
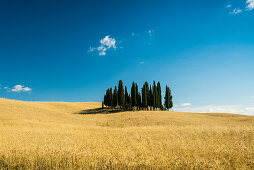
197 48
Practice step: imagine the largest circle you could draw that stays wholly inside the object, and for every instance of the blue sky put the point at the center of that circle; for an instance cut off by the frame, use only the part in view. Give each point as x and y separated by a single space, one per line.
74 50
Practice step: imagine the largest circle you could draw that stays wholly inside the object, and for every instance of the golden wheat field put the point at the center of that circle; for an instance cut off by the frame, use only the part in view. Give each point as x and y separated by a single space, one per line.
52 135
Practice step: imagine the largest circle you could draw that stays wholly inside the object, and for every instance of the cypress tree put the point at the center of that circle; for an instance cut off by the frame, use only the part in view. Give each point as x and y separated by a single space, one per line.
126 96
115 97
129 100
159 104
147 94
151 96
110 97
137 97
133 95
139 103
121 96
155 97
144 98
168 98
106 98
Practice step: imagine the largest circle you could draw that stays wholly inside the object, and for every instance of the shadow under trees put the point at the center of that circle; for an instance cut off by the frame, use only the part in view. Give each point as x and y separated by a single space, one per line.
100 111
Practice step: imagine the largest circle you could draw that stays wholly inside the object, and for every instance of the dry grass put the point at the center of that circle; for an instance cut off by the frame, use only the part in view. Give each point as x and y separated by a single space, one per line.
43 135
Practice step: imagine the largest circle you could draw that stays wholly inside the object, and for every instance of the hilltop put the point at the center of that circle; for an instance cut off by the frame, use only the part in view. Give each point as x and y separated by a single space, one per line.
56 135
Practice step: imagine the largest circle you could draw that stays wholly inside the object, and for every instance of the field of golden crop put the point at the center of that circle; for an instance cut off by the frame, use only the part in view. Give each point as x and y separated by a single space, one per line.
52 135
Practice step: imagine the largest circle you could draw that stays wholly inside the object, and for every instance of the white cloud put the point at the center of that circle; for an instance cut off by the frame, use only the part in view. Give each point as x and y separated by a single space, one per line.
150 32
7 89
237 109
250 109
91 49
235 11
20 88
108 42
185 104
229 6
105 44
250 5
142 62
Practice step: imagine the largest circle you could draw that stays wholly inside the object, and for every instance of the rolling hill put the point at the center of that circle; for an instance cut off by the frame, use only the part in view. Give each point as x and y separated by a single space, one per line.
58 135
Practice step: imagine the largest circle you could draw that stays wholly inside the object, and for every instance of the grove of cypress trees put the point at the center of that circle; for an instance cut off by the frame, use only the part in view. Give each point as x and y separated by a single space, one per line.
150 96
115 97
121 97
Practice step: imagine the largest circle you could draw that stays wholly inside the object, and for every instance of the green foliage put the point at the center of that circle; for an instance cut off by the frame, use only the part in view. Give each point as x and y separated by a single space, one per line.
145 94
126 95
115 97
155 95
159 104
121 97
168 98
108 98
137 95
150 96
133 95
127 100
128 105
139 103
